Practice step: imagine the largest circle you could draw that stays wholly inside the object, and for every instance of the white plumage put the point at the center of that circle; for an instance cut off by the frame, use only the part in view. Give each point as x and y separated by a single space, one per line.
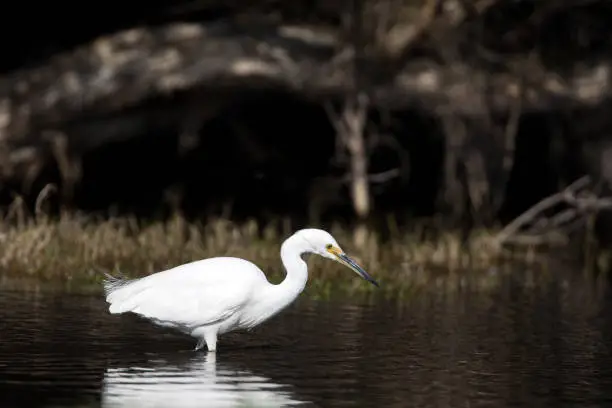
214 296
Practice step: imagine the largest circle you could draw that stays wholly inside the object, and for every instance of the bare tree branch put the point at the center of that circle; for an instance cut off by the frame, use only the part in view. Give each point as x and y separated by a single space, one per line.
556 228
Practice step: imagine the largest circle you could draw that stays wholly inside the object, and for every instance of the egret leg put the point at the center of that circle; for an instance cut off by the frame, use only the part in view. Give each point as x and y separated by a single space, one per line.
210 337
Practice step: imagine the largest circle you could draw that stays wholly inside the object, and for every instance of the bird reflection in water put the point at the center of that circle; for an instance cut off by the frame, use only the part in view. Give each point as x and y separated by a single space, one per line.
198 382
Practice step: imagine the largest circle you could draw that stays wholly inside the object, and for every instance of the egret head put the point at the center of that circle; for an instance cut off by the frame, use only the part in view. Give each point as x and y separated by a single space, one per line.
322 243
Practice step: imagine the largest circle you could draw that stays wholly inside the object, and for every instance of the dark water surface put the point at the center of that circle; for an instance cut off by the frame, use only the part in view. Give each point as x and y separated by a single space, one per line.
542 345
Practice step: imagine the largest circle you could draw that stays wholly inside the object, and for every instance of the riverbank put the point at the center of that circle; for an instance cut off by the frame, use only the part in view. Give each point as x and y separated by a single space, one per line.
75 250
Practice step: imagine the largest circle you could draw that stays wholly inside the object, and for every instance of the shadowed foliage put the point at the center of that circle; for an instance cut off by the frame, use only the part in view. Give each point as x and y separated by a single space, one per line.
346 112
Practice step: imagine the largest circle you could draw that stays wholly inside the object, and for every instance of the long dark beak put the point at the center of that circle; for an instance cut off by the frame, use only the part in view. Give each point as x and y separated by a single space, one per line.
344 258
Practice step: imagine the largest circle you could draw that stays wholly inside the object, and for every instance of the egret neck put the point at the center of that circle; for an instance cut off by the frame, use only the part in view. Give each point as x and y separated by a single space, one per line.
295 267
282 295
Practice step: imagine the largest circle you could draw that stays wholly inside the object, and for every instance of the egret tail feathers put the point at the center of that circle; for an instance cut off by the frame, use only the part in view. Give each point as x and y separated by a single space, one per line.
118 292
112 283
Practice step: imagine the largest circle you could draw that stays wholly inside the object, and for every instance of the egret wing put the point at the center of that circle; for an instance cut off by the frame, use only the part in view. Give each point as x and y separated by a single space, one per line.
185 298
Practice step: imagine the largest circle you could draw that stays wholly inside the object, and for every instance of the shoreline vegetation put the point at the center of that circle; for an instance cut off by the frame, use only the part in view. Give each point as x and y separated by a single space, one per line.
78 248
72 251
75 249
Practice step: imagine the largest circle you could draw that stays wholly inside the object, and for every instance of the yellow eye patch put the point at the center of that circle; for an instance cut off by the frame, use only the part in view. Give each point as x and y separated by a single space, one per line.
332 249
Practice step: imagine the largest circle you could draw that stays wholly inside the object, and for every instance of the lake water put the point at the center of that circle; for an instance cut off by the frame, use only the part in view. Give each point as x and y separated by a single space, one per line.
545 345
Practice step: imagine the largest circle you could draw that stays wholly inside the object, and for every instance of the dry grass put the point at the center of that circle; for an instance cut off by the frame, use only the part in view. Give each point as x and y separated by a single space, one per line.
75 249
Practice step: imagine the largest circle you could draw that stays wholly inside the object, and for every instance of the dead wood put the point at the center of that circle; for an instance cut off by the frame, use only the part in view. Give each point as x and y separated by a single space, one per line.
534 227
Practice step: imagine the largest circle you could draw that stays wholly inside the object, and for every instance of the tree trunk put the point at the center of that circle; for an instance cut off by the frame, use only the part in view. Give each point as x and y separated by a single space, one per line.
355 114
350 128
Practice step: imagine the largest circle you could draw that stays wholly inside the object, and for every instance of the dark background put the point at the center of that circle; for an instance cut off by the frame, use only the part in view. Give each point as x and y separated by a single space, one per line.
261 154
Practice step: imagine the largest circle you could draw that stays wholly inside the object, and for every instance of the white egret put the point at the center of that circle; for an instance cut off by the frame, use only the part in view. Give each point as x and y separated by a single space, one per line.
214 296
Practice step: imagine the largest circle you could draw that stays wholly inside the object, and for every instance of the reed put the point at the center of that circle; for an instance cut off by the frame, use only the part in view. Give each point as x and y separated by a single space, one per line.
75 249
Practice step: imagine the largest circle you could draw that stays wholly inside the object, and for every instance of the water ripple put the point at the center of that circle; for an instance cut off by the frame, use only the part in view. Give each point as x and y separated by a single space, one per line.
513 348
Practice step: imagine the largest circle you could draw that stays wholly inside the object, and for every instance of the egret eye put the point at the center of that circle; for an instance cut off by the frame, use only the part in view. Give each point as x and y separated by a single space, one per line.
328 246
